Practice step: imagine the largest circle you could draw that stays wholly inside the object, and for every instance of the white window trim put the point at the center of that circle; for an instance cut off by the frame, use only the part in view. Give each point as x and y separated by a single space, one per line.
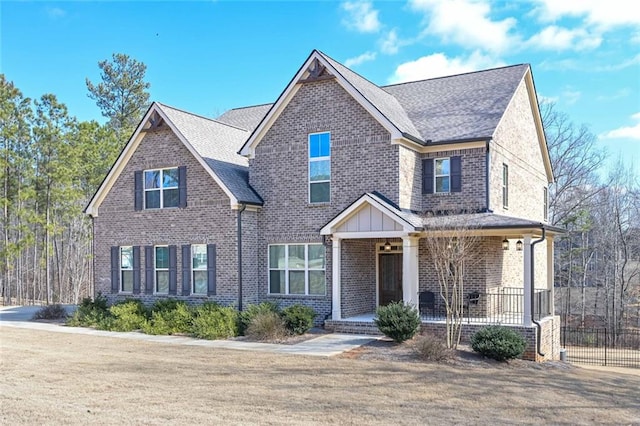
545 201
161 189
505 186
125 269
436 175
317 159
156 269
199 269
286 269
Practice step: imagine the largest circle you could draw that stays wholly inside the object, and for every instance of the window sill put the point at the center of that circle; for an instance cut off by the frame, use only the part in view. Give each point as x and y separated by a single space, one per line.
325 204
297 296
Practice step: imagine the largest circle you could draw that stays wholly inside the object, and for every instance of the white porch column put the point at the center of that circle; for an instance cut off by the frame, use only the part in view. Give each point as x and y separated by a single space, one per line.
551 275
527 314
336 284
410 270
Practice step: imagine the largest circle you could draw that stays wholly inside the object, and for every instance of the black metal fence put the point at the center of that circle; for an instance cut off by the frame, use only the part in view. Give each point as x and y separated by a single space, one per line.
598 346
504 305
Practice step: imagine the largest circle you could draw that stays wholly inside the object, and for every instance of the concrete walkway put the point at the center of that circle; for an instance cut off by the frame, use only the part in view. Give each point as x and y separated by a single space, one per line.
324 345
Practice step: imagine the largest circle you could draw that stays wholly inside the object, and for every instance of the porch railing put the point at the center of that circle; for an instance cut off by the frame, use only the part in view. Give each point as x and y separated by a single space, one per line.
503 305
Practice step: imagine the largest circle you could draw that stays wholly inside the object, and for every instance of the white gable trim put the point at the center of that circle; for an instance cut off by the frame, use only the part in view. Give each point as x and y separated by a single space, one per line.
248 149
542 140
130 149
403 227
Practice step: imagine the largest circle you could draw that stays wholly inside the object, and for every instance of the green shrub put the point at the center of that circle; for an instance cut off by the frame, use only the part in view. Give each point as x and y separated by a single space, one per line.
397 321
51 312
128 315
499 343
246 316
298 318
267 326
211 321
430 348
169 316
90 312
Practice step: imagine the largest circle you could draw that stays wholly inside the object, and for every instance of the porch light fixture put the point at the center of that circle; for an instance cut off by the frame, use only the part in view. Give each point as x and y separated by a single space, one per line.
505 244
327 240
519 245
387 246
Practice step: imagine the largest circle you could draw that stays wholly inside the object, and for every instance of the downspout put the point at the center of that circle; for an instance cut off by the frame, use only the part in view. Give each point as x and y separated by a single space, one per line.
240 210
533 291
486 180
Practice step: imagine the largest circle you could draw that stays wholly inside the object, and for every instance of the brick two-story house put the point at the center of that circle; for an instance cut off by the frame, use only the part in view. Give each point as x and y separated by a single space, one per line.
328 196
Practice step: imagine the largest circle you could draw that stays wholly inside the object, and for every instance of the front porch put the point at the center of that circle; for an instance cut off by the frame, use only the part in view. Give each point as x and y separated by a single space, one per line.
504 306
379 254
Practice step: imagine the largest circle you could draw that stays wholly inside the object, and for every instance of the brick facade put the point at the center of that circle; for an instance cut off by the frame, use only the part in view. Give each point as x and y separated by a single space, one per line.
363 159
207 219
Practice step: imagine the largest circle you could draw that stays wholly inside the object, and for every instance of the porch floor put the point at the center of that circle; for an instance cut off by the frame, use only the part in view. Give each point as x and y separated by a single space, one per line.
508 318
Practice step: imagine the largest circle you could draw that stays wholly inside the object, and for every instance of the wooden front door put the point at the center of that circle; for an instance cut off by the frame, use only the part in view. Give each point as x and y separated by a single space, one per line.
390 277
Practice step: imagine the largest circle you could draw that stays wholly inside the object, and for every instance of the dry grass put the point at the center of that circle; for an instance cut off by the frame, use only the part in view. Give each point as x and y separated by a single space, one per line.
56 378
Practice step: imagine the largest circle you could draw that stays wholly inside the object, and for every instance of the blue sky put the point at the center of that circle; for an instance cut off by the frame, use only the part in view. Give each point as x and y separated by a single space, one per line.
209 56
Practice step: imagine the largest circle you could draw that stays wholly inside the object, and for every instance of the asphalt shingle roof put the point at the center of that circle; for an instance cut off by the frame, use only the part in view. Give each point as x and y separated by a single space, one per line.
246 118
218 144
459 107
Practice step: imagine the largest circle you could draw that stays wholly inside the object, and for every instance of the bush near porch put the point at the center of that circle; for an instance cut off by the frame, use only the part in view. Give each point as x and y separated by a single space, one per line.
170 316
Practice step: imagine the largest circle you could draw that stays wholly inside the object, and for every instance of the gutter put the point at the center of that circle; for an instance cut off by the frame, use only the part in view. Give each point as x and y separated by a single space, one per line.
533 290
240 210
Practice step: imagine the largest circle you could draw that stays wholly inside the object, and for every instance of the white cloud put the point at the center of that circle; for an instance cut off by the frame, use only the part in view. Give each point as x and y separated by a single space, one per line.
56 12
438 65
362 16
390 43
570 97
625 132
559 38
604 14
365 57
467 23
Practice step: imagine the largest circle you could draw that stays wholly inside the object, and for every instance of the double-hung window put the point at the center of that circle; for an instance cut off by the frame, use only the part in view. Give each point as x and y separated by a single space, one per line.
320 167
199 274
162 269
505 186
545 201
442 175
126 269
161 188
296 269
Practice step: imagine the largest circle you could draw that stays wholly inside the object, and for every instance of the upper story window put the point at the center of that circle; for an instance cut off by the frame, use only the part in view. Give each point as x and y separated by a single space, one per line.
296 269
442 175
126 269
161 188
320 167
505 186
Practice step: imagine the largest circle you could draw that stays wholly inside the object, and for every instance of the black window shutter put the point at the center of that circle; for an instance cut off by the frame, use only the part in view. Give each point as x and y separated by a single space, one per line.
186 270
427 176
173 269
115 269
456 174
137 176
182 187
211 269
148 270
136 269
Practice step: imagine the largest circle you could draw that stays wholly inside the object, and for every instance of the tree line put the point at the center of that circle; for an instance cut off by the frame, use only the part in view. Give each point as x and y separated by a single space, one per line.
597 261
51 164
